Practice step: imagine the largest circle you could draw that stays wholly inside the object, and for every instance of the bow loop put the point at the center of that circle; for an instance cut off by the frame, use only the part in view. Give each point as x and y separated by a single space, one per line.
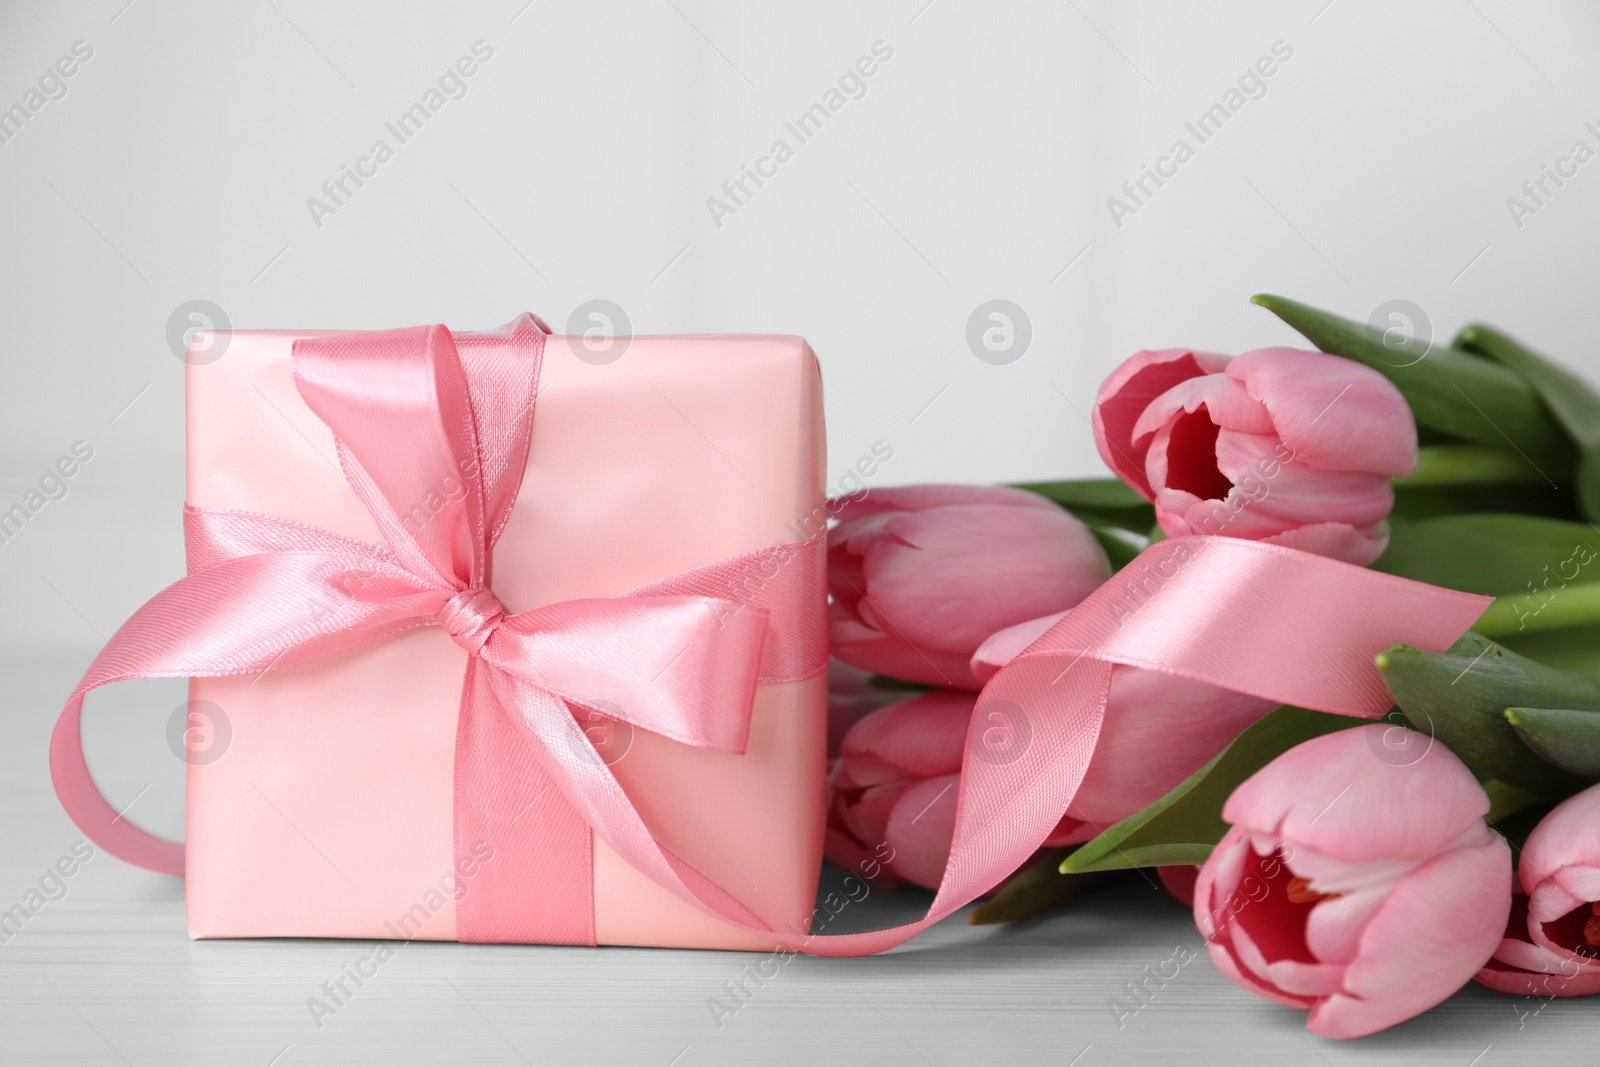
400 407
684 667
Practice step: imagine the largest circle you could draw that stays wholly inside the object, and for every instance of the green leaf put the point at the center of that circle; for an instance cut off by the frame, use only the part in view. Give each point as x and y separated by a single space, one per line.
1115 514
1566 737
1450 390
883 681
1431 501
1548 609
1103 502
1573 400
1095 494
1120 545
1467 465
1036 889
1453 479
1573 649
1460 697
1184 825
1496 555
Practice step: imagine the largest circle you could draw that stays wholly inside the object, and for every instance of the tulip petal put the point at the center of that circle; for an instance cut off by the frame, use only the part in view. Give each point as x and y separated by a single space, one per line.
920 737
1222 955
1295 978
1296 493
1436 930
867 817
1158 730
1337 414
1182 513
862 770
1569 834
1128 391
1504 978
1069 831
1006 645
1336 540
851 697
1180 881
1216 895
895 658
947 579
1337 795
1520 966
920 828
842 850
1333 929
1551 899
1559 910
1225 401
846 626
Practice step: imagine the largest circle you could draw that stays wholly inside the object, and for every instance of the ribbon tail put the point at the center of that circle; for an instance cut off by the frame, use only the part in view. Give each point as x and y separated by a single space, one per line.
540 888
1006 808
584 781
1028 748
242 616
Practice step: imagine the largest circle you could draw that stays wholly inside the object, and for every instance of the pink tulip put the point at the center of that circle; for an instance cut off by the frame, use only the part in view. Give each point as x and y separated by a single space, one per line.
1364 890
1179 881
1158 730
1296 448
893 789
1560 935
851 697
1520 966
922 574
894 786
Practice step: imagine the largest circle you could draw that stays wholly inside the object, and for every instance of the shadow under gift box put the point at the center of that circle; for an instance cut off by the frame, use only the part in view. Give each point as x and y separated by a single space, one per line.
329 814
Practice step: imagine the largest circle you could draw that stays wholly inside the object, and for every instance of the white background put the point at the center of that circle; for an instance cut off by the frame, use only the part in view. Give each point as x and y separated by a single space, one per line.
578 166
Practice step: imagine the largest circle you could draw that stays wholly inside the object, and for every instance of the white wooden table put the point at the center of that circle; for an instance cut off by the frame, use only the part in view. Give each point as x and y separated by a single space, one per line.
106 974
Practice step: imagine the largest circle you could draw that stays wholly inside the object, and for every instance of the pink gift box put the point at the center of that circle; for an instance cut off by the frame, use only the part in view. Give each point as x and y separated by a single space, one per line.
329 813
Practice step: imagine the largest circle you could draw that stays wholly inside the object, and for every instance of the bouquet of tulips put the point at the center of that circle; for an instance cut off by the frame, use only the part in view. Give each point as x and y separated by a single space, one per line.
1363 871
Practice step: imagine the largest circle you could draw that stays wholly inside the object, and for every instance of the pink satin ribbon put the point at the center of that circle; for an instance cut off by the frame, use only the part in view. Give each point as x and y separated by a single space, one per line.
1261 619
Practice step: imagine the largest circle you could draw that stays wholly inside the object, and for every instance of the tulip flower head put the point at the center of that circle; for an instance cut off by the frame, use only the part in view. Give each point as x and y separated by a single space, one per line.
893 789
1361 889
1296 448
1552 945
1520 966
920 576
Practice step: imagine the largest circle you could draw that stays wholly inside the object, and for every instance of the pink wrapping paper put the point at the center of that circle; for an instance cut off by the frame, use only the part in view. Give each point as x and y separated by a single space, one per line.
329 814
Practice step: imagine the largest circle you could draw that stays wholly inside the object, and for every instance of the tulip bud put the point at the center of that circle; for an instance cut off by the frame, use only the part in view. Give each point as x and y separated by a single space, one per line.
920 575
1295 448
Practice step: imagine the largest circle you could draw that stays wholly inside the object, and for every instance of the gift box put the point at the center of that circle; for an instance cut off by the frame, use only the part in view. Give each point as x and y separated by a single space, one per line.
333 798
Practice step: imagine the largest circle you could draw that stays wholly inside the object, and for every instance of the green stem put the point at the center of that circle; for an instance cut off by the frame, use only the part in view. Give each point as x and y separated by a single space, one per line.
1468 465
1574 605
